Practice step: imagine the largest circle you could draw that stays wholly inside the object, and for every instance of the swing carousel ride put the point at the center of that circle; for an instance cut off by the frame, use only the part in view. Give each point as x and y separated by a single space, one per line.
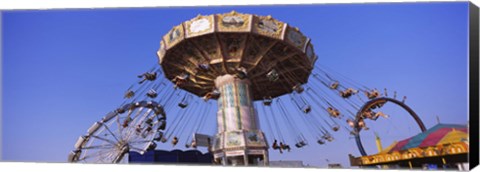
250 65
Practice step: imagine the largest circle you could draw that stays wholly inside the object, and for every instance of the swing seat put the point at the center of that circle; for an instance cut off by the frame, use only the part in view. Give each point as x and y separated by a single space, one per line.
298 88
152 95
158 136
151 146
334 85
151 76
267 101
182 105
129 94
336 128
307 109
298 145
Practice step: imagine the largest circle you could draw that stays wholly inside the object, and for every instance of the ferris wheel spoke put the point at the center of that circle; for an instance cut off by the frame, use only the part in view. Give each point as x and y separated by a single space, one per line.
113 135
96 154
141 141
133 123
104 139
110 156
120 124
104 146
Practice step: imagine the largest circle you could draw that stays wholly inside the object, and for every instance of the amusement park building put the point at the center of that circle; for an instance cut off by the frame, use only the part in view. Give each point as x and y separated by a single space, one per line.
444 146
171 157
190 157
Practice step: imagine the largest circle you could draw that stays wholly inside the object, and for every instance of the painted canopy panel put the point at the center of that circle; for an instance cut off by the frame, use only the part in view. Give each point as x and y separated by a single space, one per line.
439 134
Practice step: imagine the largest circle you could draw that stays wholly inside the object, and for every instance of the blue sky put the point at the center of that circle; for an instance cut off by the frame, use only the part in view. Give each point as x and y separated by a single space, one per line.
64 69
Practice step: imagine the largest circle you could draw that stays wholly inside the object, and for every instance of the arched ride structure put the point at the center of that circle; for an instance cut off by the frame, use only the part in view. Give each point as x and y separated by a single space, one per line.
375 103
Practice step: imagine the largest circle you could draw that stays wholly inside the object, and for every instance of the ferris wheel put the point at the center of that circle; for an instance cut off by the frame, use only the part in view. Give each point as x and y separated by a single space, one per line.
132 127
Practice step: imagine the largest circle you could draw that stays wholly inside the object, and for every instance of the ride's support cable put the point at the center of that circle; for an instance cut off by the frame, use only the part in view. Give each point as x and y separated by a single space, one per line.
353 82
318 103
310 123
328 102
289 121
276 124
171 104
168 98
341 85
193 115
167 101
186 123
314 100
196 123
175 122
202 123
141 93
269 126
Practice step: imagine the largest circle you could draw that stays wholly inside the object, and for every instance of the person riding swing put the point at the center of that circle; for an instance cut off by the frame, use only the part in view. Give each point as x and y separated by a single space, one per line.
147 76
129 94
333 112
373 94
369 114
336 128
174 141
348 92
213 94
351 123
284 147
362 124
334 85
275 146
180 80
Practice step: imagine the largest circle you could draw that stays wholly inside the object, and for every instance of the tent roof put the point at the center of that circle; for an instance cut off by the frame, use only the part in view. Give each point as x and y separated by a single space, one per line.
438 134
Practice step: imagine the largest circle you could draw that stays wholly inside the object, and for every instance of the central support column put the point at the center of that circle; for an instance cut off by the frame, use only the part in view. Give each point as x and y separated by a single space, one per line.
239 141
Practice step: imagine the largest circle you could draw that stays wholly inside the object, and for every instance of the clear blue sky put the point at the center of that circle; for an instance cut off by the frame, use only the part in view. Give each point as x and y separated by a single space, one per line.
65 69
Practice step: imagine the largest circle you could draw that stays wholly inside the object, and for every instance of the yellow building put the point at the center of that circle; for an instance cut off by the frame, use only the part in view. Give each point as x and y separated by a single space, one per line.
444 146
